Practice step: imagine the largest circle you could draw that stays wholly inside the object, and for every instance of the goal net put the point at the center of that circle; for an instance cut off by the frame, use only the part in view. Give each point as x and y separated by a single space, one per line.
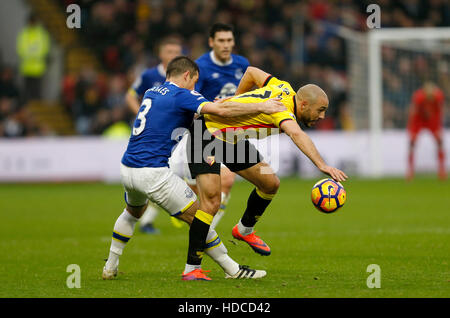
385 67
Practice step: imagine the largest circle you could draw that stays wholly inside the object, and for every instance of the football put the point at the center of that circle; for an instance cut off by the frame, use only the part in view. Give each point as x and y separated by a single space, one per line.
328 195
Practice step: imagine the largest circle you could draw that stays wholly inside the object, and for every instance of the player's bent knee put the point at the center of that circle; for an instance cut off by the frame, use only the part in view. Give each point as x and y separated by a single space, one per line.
271 186
136 211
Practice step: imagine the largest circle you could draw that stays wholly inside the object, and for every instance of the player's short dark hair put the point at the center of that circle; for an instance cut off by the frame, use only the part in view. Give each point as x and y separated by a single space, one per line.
169 40
181 64
217 27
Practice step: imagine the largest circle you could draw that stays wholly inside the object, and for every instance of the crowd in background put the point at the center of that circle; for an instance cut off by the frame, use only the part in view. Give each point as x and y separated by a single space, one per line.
124 33
404 71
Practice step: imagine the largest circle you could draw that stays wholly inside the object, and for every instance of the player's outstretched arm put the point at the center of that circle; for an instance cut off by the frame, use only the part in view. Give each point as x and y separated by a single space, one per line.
305 144
229 108
132 101
252 76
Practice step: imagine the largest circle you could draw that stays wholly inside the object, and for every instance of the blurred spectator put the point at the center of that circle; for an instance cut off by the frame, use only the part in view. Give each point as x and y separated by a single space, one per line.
15 120
9 92
88 100
125 35
33 44
9 99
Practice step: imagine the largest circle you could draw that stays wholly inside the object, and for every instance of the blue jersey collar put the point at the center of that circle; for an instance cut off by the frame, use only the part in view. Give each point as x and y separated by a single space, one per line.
173 83
216 61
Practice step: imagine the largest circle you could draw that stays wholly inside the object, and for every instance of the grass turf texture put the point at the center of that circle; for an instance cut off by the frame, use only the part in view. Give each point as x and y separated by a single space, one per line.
402 227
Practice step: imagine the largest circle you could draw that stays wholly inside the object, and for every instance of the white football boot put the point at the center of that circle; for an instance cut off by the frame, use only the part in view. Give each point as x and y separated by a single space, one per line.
246 272
110 273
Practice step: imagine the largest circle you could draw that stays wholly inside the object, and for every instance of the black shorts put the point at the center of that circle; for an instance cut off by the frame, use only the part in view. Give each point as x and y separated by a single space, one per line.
206 152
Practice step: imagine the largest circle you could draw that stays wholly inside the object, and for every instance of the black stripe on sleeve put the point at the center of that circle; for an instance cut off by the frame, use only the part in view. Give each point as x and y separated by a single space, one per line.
279 124
267 80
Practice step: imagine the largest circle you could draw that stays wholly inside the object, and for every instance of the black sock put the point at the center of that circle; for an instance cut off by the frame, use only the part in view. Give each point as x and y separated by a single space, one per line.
197 237
256 206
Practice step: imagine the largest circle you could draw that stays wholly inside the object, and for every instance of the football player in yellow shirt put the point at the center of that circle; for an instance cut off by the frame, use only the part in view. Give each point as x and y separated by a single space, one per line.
214 140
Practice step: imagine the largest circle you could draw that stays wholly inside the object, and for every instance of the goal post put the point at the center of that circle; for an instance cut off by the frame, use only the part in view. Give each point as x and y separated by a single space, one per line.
365 73
376 39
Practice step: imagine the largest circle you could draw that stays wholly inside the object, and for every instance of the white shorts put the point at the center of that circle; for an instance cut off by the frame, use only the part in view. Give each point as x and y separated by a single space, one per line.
178 161
160 185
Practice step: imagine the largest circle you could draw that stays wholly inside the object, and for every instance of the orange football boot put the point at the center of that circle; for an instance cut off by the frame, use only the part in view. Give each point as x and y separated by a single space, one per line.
196 274
253 240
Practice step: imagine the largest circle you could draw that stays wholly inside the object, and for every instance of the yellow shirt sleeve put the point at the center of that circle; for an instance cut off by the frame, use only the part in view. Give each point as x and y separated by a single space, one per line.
278 118
272 80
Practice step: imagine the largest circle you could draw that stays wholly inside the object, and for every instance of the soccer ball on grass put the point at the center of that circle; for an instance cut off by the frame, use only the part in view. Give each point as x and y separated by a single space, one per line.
328 195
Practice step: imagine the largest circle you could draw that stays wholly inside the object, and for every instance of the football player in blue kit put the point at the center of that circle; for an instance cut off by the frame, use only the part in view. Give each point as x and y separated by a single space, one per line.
220 73
165 113
220 69
168 49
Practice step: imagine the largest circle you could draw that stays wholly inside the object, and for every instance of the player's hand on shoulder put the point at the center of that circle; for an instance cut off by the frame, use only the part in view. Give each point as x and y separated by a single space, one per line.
221 100
335 173
273 105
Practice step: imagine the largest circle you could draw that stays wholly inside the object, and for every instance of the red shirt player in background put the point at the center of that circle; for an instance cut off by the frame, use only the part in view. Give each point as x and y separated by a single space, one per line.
426 112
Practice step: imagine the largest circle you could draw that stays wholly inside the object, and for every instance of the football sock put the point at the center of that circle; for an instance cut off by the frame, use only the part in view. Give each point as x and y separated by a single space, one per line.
123 230
198 232
244 230
189 268
219 253
221 212
149 215
256 205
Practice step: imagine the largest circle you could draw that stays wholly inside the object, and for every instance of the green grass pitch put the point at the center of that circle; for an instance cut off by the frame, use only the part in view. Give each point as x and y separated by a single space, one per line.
402 227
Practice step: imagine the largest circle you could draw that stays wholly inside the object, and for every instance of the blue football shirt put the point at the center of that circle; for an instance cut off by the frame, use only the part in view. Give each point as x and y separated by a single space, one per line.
151 77
219 80
165 114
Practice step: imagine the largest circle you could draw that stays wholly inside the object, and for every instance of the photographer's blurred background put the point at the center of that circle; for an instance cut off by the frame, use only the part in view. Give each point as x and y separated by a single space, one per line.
57 81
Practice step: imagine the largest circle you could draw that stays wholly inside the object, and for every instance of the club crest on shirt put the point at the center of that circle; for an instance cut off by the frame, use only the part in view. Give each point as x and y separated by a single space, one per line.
189 193
227 90
210 160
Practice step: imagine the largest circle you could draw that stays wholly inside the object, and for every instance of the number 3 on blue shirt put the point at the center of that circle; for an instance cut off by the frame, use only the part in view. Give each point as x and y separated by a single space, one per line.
141 116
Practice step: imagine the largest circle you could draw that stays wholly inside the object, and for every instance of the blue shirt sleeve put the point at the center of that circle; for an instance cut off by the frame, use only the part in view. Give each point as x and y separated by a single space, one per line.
191 100
139 85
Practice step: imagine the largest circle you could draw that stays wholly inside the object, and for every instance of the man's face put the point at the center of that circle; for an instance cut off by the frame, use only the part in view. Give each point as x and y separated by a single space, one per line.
310 113
429 90
222 45
168 52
